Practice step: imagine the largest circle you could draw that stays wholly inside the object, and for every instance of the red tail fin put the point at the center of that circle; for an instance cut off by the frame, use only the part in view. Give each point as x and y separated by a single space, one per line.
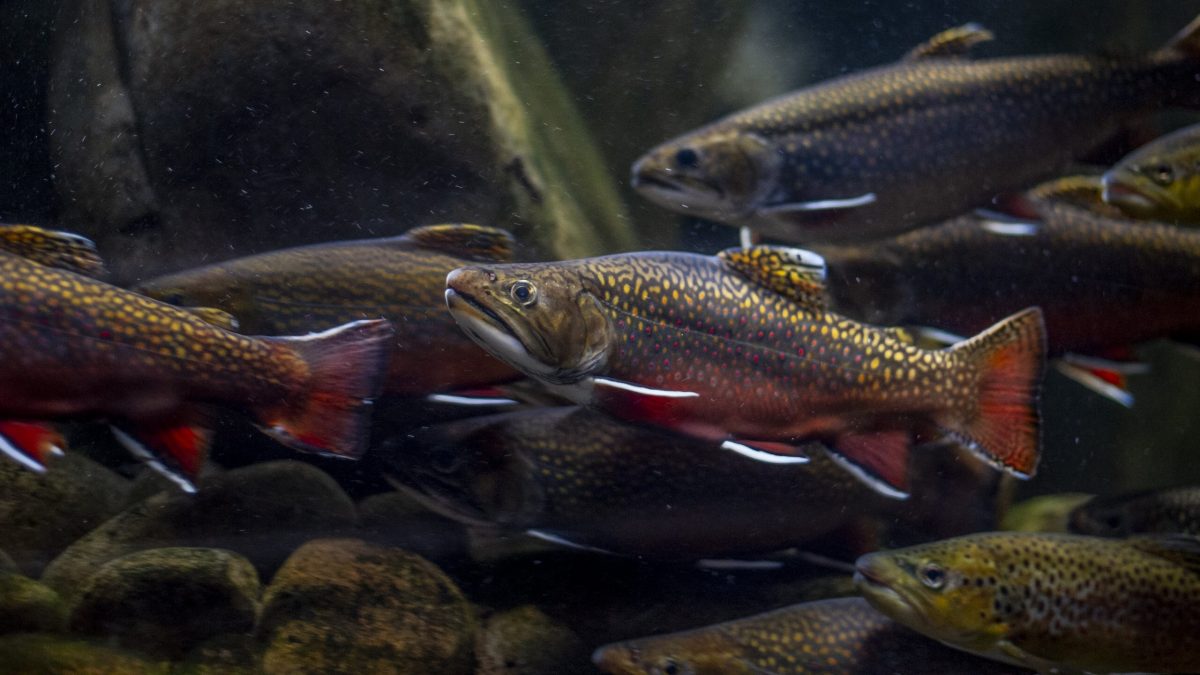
1003 424
347 366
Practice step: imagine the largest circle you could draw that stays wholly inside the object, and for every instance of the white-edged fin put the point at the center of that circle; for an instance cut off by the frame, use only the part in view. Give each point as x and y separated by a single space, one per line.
638 389
138 450
747 237
1011 228
470 401
1093 382
726 564
562 541
868 479
761 456
19 457
938 336
820 205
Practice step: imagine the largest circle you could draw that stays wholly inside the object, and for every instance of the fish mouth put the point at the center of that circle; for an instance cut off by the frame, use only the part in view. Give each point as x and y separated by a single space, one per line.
1132 196
495 334
662 184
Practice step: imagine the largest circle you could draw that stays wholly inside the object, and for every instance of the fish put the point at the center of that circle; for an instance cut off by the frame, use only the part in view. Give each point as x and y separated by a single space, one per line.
402 279
1104 283
739 349
1174 510
1050 602
841 636
55 248
585 478
880 151
1159 181
72 346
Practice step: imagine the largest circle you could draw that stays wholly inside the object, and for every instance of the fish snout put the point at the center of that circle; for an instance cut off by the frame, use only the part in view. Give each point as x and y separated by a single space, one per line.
870 571
615 659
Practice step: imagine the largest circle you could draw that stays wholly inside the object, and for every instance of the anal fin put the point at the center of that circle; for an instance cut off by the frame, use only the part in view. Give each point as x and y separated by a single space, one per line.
30 444
765 451
879 459
176 452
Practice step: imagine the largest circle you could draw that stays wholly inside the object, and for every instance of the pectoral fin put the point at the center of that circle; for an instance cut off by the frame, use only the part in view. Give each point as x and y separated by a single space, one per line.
1104 377
52 248
176 452
834 204
952 42
879 459
771 453
473 242
792 272
30 444
636 403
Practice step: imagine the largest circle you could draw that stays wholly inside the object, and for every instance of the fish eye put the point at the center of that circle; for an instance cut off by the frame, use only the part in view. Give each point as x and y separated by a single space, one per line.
932 575
524 292
670 666
1163 174
445 461
687 158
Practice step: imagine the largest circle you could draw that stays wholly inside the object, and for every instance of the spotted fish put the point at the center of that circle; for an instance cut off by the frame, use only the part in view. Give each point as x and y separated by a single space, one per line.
1175 510
1161 180
401 279
1104 283
72 346
576 475
1049 601
844 636
927 138
738 349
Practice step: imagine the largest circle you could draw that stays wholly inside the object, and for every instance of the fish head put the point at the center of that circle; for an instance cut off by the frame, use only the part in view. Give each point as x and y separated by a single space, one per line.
1162 187
699 652
467 471
202 287
539 318
723 176
945 590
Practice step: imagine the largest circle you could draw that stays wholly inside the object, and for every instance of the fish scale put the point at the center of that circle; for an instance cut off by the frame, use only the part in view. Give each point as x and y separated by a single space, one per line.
1047 600
739 347
843 636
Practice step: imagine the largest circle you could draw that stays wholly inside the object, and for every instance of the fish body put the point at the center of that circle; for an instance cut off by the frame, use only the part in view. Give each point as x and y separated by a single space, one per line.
1175 510
737 348
844 636
929 137
1159 181
73 346
1103 283
401 279
1049 601
583 477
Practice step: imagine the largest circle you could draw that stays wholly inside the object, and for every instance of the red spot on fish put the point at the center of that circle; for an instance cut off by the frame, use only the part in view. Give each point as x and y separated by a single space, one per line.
800 351
106 335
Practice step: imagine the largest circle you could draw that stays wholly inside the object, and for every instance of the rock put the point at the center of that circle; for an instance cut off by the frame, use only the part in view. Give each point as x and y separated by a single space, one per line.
42 513
341 120
167 600
223 655
524 641
28 606
36 654
396 519
346 606
262 511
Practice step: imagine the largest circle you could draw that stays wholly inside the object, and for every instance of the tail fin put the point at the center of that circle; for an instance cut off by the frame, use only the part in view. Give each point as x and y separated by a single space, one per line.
1003 423
347 367
1186 41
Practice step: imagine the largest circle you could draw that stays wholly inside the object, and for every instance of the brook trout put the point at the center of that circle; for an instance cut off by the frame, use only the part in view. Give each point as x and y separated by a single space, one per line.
1159 181
877 152
401 279
578 476
739 349
1104 284
72 346
844 636
1049 601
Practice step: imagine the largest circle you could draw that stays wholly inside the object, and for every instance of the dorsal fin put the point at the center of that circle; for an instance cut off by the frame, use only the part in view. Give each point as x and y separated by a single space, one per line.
791 272
53 248
473 242
951 42
217 317
1181 549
